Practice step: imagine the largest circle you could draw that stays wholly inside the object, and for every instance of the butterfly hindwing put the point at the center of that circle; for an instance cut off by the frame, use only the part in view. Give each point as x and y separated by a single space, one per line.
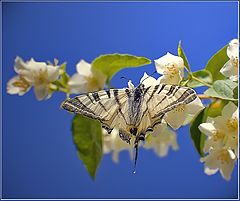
163 98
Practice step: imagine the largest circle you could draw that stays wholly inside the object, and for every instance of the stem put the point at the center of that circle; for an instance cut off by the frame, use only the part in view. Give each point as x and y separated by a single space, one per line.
67 95
62 89
187 70
206 84
203 96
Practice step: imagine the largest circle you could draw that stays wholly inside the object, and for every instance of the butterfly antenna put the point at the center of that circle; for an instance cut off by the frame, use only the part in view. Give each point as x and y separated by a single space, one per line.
136 155
149 75
123 78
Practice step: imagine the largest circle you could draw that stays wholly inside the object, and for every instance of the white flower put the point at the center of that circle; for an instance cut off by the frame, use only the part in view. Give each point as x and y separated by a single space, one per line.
222 130
130 85
146 80
221 142
163 139
230 68
219 159
112 143
18 85
171 67
32 73
86 79
180 114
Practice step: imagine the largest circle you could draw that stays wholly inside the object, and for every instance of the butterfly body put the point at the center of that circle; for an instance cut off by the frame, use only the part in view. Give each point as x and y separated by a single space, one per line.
135 102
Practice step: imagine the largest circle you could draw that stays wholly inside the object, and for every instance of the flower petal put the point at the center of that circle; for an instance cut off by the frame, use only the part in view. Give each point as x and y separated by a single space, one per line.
231 154
77 84
19 64
163 62
162 150
207 128
170 79
176 117
229 110
148 80
227 69
130 85
84 68
210 171
226 170
233 48
35 66
211 160
18 85
159 129
41 91
53 73
162 142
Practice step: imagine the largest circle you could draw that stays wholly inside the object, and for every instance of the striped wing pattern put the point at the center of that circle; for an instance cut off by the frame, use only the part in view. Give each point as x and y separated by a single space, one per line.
107 106
162 99
113 107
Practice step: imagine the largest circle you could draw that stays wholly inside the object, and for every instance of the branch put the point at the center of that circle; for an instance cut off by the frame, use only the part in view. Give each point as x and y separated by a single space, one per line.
203 96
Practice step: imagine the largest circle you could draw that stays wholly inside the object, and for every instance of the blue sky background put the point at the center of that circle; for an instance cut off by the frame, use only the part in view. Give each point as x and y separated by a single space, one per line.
39 157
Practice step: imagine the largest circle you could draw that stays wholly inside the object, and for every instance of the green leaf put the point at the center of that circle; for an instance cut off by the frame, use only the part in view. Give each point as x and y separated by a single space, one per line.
197 136
216 62
109 64
222 89
203 75
183 56
87 135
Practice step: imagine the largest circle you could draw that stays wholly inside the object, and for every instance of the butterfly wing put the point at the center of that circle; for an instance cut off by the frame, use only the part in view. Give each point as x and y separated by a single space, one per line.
163 99
107 106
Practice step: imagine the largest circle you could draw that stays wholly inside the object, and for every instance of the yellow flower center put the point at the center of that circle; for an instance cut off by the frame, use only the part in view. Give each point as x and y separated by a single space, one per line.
223 157
172 70
218 136
235 62
21 83
232 124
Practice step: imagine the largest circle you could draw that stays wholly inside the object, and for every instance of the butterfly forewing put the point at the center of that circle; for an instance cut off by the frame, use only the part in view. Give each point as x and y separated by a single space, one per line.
107 106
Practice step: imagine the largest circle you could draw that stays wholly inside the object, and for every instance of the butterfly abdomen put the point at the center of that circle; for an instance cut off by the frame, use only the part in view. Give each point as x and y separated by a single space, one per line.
135 104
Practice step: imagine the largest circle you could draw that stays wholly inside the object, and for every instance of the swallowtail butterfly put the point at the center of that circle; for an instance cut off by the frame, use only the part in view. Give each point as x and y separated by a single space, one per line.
134 111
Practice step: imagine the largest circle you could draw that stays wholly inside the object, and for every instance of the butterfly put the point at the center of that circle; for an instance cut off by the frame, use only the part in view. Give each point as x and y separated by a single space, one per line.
135 111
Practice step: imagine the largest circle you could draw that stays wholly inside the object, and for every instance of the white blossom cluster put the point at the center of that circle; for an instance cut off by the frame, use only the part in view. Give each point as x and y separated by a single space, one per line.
221 145
41 76
32 74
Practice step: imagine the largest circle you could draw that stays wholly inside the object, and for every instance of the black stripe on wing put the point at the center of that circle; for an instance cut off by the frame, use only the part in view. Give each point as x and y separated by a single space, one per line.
187 96
76 106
